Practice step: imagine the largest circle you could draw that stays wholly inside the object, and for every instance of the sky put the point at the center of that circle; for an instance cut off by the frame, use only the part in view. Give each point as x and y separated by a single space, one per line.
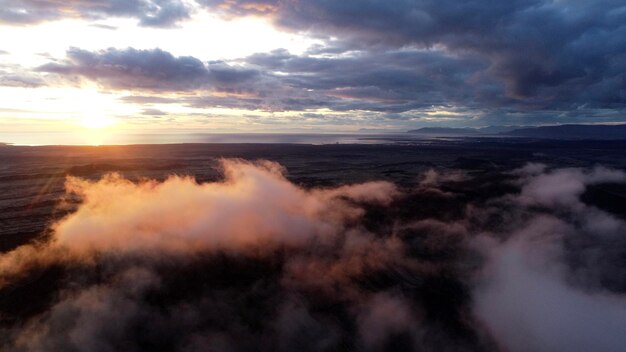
286 66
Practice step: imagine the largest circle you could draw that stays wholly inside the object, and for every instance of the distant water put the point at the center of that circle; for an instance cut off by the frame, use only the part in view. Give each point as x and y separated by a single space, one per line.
165 138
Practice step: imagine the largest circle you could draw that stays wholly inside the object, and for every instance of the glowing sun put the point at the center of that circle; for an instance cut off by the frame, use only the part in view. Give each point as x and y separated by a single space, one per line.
97 121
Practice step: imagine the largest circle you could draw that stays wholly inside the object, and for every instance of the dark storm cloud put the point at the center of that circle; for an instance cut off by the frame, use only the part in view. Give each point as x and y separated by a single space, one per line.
520 62
156 13
394 74
153 70
275 81
228 78
546 54
393 81
529 55
132 69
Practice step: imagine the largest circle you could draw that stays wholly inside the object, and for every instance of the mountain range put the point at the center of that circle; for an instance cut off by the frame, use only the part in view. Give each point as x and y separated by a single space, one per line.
570 131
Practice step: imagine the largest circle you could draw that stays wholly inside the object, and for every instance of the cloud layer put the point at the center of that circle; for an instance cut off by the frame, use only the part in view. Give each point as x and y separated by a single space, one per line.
479 62
255 260
233 214
550 34
157 13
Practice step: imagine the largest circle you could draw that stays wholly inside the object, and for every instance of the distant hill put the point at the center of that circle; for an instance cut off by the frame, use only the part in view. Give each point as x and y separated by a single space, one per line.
489 130
378 130
445 131
572 132
499 129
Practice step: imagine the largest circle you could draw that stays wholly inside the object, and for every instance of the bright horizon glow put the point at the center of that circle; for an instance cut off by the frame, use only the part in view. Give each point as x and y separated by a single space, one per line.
76 107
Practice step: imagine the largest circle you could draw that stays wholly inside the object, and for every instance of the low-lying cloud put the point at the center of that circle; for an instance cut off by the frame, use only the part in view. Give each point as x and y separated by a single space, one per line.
253 205
528 304
254 261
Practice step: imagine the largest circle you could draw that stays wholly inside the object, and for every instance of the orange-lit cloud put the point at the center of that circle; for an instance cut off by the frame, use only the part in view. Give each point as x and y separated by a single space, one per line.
254 258
254 204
